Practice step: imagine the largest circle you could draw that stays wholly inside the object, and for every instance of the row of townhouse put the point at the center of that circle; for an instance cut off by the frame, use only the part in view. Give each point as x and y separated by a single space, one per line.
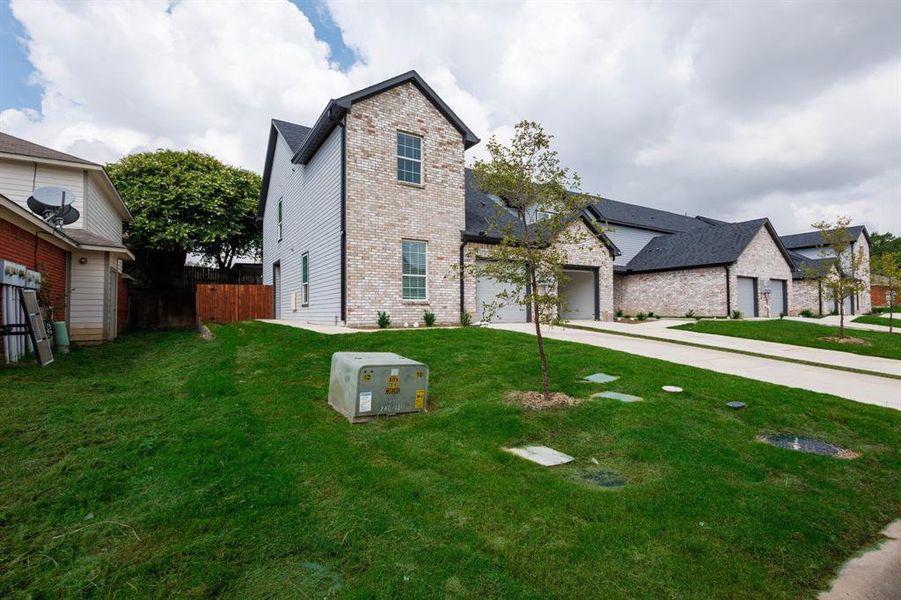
372 209
80 263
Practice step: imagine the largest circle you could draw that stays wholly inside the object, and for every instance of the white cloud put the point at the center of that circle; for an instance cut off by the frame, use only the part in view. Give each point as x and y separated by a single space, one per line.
735 111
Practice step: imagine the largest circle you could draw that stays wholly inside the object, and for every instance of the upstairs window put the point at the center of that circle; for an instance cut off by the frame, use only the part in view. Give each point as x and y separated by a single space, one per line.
305 279
414 269
409 158
279 219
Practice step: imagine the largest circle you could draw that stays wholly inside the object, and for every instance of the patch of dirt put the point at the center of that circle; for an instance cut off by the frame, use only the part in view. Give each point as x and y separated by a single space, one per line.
846 340
536 401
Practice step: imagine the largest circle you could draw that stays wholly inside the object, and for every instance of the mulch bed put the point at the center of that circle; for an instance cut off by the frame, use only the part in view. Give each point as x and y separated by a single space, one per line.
846 340
537 401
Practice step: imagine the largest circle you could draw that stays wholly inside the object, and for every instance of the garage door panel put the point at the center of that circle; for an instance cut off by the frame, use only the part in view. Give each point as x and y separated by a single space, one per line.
578 295
487 291
777 297
747 296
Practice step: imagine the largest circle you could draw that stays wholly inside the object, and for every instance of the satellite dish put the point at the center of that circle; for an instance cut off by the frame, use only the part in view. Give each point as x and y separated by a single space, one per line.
54 204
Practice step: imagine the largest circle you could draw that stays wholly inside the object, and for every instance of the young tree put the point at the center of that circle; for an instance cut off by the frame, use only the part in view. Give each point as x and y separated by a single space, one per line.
845 279
541 201
889 266
187 202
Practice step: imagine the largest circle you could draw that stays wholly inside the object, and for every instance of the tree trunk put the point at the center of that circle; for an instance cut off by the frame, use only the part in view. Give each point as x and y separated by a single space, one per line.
841 318
545 388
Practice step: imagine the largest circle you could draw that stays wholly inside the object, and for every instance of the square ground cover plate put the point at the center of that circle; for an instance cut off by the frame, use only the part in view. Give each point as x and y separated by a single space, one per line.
618 396
600 378
544 456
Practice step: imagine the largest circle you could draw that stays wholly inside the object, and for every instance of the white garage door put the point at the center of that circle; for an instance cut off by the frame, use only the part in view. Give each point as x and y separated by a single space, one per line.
746 295
487 290
777 297
577 295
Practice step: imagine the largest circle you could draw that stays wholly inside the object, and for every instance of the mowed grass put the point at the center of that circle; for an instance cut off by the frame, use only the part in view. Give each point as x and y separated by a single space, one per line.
803 334
162 465
878 320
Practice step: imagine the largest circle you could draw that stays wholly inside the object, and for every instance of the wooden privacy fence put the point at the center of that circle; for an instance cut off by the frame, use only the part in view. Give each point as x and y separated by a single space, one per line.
224 303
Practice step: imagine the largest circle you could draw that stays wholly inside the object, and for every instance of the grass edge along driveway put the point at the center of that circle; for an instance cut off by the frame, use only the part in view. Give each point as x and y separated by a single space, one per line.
797 333
161 465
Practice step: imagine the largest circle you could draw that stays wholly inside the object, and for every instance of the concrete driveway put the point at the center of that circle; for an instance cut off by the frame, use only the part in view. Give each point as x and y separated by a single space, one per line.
867 389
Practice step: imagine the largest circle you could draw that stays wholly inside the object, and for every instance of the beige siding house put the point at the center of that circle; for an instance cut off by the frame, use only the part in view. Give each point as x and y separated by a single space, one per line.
93 245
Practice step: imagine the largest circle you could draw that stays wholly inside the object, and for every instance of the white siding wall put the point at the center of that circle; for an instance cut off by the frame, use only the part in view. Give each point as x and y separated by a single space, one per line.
87 296
17 178
101 217
311 205
629 240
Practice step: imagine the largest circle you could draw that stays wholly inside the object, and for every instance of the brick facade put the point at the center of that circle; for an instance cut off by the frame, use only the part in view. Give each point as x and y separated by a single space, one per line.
806 294
36 253
381 212
763 260
674 293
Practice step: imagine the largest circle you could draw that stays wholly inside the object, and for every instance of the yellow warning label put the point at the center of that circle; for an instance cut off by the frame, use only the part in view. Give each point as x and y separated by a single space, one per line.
420 399
393 384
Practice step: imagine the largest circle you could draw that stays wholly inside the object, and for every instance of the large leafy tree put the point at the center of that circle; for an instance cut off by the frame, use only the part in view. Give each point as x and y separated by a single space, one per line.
185 201
888 265
541 202
885 243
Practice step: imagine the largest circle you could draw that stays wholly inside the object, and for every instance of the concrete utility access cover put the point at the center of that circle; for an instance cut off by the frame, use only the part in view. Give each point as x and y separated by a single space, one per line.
601 478
600 378
672 389
736 405
544 456
804 444
618 396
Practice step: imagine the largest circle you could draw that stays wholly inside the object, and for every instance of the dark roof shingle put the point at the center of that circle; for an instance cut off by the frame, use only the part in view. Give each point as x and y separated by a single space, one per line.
812 239
12 145
705 246
623 213
293 133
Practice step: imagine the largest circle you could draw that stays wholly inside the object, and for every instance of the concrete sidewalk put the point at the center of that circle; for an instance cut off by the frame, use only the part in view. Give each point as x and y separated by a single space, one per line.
867 389
662 330
875 575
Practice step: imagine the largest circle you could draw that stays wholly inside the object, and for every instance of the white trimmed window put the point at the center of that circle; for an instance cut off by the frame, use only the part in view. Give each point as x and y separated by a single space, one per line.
414 256
409 158
305 279
279 219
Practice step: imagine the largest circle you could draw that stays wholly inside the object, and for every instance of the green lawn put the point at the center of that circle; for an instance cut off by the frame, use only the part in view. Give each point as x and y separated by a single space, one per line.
802 334
877 320
162 465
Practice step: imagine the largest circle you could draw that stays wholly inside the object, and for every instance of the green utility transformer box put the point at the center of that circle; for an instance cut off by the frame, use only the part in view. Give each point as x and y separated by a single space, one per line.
364 385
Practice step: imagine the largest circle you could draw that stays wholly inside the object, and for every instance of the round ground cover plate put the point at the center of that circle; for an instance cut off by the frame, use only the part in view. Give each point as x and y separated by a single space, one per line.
604 478
736 405
672 389
805 444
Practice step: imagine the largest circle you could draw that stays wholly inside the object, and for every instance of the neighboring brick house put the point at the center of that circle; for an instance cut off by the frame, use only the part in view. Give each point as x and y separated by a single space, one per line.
81 262
812 259
372 209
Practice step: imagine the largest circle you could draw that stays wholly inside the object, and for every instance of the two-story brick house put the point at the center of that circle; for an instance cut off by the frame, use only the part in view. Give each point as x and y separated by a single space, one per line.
372 209
81 263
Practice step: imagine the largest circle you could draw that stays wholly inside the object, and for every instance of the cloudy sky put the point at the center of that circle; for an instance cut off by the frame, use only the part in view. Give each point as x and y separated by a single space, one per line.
731 110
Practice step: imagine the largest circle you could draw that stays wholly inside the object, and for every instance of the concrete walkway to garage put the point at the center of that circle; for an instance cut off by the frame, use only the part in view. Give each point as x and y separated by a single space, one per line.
867 389
663 330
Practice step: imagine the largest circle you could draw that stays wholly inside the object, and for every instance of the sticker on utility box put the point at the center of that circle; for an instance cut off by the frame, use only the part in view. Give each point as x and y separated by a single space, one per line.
420 399
365 402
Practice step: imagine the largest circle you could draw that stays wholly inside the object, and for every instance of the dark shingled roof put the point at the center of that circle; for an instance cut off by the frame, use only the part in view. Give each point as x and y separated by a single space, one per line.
802 265
812 239
487 218
293 133
485 212
706 246
622 213
13 145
